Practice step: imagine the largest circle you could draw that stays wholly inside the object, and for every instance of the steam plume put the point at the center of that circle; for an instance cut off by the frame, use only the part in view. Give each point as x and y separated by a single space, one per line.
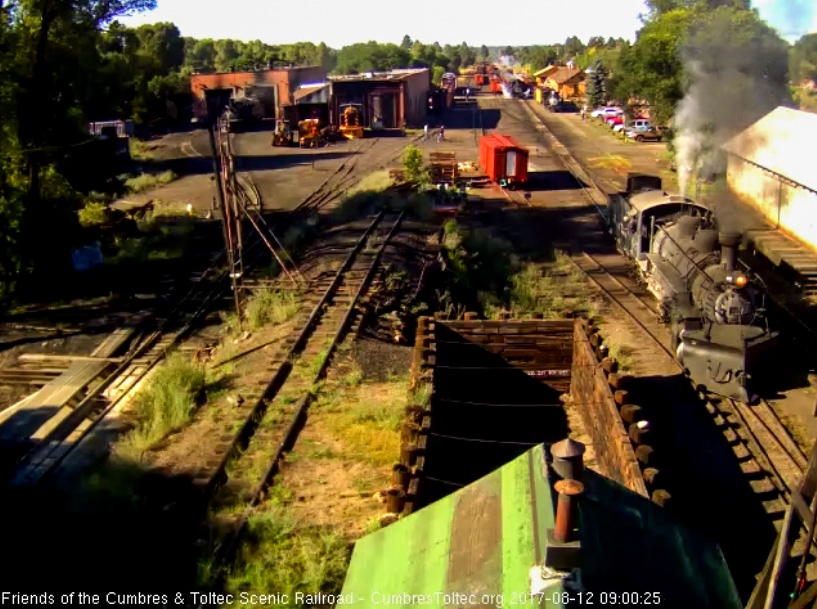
735 76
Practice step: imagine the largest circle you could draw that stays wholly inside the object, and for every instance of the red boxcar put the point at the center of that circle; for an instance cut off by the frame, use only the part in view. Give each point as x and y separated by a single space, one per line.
502 157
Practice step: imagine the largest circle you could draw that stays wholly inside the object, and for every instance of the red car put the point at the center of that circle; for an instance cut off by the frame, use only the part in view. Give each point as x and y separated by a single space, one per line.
612 121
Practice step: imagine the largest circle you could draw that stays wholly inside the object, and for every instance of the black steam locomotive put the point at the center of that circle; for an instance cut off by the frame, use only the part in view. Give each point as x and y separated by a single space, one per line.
719 328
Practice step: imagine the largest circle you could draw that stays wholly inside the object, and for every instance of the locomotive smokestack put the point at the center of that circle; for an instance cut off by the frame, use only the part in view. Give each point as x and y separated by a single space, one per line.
729 249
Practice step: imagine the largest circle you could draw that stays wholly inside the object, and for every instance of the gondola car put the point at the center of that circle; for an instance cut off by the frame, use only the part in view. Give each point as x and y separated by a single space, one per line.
719 327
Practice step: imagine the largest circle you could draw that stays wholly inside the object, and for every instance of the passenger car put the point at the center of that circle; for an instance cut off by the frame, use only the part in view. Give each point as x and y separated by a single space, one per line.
605 113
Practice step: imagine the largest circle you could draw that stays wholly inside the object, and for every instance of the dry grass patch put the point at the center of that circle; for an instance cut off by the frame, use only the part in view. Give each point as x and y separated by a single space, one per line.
614 162
557 292
148 181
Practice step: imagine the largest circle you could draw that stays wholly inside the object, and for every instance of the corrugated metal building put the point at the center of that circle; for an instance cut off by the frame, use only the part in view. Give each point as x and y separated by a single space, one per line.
769 165
483 546
275 87
393 99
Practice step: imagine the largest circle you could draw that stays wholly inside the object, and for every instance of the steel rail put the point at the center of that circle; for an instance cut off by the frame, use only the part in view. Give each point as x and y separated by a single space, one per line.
295 425
750 438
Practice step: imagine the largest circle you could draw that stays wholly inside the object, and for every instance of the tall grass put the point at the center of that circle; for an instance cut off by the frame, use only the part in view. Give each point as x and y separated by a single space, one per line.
271 307
147 181
552 294
285 556
165 405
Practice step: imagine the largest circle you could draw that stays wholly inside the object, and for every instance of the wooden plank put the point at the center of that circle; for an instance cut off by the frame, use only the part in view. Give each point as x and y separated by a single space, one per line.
780 559
40 357
761 589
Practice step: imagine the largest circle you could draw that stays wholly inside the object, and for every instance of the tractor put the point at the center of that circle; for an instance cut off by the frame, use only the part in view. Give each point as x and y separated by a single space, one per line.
283 135
310 132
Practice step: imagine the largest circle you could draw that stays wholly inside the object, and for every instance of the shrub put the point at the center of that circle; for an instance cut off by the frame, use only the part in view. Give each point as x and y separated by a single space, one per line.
93 213
271 307
416 170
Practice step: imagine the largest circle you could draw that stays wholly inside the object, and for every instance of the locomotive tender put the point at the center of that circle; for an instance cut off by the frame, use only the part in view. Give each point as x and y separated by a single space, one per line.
719 327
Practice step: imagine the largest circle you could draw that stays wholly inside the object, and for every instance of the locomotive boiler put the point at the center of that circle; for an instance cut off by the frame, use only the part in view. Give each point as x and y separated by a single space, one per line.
719 328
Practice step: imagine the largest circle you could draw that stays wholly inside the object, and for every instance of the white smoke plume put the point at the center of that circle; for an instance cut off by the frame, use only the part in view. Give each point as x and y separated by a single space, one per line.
732 83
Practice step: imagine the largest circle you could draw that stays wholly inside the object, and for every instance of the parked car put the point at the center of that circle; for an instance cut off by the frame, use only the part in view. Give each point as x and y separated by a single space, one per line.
609 111
615 120
651 134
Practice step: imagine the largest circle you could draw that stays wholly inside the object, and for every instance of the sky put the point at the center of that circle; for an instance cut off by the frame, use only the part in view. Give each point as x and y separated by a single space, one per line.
444 21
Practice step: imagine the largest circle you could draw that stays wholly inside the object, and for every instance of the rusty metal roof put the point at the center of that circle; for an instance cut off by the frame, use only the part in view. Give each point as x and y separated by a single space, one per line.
401 74
485 539
312 94
562 75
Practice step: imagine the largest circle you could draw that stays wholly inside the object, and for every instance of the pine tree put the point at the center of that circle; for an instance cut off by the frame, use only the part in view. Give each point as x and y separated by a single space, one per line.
597 85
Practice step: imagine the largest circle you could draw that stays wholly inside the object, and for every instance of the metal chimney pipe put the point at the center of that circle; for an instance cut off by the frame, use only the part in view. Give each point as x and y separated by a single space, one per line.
568 491
729 250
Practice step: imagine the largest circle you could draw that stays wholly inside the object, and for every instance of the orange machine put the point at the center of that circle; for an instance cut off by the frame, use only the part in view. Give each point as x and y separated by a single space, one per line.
310 132
350 122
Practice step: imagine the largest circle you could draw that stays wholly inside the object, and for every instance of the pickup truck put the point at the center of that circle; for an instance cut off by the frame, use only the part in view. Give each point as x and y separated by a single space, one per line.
651 134
642 123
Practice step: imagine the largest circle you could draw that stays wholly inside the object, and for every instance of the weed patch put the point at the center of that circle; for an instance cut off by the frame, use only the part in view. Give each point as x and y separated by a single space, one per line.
554 294
271 307
622 354
286 556
165 405
147 181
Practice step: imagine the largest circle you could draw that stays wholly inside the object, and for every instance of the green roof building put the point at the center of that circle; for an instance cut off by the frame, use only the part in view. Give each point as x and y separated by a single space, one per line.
485 545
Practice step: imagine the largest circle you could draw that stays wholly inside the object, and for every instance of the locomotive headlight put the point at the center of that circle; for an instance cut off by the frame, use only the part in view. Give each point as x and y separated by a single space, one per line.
738 280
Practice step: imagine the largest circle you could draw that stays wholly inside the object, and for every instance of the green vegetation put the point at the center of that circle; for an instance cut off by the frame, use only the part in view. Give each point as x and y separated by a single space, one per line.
558 293
480 266
271 307
93 213
416 170
165 405
147 181
622 354
281 554
803 59
806 99
597 85
158 239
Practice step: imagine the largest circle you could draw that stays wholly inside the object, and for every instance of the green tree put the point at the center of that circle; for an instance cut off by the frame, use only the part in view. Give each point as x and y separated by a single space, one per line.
416 171
406 44
597 85
803 59
484 54
652 68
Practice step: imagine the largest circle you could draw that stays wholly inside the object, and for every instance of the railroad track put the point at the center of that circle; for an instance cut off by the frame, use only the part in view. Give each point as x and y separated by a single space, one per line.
754 430
54 446
270 427
349 173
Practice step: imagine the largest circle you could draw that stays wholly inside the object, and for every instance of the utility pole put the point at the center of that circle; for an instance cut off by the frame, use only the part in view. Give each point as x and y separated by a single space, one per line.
227 204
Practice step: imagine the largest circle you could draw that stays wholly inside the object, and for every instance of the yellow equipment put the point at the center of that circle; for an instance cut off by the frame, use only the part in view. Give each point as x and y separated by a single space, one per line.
283 135
310 132
350 122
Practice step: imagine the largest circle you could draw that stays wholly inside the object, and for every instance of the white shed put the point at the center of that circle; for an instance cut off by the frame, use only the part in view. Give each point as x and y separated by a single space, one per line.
771 164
